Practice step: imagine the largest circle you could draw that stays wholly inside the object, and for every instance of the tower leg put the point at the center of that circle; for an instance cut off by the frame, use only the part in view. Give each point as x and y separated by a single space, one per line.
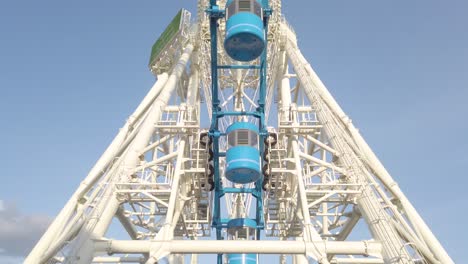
300 259
108 206
310 233
394 250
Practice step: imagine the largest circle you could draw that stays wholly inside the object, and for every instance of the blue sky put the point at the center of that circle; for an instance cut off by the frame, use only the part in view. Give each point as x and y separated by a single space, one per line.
72 71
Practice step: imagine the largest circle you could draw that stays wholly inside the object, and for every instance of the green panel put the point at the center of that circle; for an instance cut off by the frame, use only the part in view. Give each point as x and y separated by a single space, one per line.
166 37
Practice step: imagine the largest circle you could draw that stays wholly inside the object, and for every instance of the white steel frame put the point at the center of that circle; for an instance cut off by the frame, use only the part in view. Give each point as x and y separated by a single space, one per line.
152 179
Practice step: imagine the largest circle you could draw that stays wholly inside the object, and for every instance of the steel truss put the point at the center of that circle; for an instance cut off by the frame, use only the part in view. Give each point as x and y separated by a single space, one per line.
153 179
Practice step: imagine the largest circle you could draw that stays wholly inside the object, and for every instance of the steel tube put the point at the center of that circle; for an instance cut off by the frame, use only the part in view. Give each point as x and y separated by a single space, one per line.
110 259
309 232
357 261
231 246
109 204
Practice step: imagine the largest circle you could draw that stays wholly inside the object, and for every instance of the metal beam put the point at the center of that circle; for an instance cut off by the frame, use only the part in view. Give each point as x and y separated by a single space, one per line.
370 248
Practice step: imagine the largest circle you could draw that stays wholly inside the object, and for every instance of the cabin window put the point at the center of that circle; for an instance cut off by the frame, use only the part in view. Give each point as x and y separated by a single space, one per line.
245 6
257 9
245 232
251 6
231 9
243 137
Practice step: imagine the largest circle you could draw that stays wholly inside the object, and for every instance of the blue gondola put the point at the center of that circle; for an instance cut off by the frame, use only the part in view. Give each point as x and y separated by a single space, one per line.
242 156
242 229
245 34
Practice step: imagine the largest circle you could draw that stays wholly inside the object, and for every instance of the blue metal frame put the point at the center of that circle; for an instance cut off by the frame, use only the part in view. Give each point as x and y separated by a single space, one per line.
215 13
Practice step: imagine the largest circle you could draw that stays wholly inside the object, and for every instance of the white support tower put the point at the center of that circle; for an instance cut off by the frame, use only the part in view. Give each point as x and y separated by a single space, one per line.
152 181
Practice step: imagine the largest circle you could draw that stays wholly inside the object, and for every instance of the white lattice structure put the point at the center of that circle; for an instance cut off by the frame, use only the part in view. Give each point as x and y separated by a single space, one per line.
153 176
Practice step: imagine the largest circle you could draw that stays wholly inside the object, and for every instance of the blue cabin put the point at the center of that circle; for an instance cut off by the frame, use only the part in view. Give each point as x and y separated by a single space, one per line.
242 229
242 155
245 34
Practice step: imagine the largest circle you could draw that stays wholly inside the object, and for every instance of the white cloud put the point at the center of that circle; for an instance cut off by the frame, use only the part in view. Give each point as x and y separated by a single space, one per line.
2 205
19 232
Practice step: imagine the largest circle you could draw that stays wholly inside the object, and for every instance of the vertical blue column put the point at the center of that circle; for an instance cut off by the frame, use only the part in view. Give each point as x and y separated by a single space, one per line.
215 14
